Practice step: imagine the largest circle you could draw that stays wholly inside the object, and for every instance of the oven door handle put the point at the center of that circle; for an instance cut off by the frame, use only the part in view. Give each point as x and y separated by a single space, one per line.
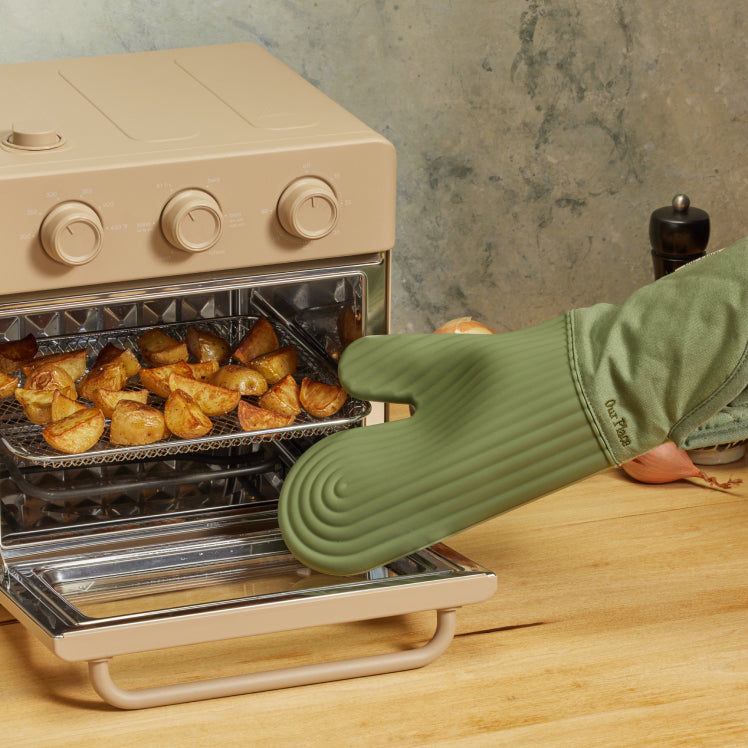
301 675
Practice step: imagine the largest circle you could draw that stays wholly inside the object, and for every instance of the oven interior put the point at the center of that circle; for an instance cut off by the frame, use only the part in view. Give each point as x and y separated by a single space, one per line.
50 500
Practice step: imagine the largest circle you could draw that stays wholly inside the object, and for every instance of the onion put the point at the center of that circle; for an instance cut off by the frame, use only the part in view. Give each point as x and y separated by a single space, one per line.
666 464
465 325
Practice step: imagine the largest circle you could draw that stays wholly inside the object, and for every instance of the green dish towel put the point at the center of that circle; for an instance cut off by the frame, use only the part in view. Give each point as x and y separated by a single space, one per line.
503 419
728 426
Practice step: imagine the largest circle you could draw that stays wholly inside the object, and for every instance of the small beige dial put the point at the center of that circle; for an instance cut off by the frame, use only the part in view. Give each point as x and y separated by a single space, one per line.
192 221
308 208
34 135
72 233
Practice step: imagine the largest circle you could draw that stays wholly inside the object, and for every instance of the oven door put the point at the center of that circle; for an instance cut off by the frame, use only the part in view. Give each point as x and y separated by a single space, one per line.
184 586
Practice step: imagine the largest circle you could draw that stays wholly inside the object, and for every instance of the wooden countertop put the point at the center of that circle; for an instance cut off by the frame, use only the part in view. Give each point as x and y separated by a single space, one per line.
621 618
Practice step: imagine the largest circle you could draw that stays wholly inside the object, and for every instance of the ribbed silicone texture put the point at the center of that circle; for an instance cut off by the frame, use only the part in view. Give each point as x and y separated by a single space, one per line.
497 422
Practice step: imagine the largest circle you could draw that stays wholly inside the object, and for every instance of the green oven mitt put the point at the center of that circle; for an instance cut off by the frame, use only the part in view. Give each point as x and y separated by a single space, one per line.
503 419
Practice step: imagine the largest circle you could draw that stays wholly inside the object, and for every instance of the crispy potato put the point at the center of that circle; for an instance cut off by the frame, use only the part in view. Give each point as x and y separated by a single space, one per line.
134 424
51 377
252 418
107 376
160 349
77 432
63 406
260 339
113 354
15 353
184 417
213 400
276 364
206 346
244 380
74 362
319 399
283 397
8 385
106 400
156 380
204 370
36 404
349 326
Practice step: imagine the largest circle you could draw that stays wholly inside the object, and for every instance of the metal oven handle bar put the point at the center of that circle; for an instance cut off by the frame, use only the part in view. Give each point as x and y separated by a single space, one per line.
301 675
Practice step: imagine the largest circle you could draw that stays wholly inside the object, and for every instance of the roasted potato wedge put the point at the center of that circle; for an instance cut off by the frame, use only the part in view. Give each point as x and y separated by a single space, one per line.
160 349
51 377
252 418
276 364
207 346
282 397
349 326
77 432
107 377
74 362
204 370
134 424
184 417
156 380
319 399
244 380
113 354
36 404
106 400
260 339
62 406
8 385
15 353
213 400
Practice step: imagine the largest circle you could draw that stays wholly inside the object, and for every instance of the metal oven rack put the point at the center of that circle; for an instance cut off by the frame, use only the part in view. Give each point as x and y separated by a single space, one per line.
22 440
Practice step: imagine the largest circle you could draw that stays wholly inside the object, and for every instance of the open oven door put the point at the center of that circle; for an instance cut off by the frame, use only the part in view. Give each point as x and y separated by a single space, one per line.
178 585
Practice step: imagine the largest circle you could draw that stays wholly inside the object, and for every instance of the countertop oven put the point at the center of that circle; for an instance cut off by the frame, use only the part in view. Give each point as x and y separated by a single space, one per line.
204 188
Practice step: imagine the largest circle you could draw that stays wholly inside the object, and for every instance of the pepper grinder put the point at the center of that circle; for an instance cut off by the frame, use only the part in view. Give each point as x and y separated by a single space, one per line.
678 234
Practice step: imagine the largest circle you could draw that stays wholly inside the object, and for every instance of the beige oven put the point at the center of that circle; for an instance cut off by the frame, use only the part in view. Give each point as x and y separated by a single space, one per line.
197 189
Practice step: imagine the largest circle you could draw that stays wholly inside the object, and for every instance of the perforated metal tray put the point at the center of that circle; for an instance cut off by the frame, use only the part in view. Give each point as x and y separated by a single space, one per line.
23 442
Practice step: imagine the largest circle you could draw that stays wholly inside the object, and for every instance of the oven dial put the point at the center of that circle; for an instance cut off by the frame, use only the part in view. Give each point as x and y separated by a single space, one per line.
33 135
71 233
192 221
308 208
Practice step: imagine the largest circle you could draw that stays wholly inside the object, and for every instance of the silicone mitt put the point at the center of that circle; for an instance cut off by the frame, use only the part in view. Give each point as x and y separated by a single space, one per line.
503 419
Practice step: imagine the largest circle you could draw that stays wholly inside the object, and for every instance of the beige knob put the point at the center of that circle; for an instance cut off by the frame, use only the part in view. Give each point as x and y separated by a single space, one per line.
34 135
192 221
308 208
72 233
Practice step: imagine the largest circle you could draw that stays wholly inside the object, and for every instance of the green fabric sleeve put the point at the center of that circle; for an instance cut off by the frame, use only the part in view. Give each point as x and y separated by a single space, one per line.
671 356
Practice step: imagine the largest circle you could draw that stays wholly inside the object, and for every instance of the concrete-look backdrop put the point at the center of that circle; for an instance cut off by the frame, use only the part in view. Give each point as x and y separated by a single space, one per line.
534 137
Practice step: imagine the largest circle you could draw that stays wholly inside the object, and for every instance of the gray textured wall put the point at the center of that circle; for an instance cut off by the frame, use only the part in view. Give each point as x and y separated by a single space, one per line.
534 136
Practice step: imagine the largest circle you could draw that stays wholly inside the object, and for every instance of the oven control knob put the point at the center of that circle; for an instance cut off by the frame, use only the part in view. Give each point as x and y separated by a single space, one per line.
192 221
71 233
308 208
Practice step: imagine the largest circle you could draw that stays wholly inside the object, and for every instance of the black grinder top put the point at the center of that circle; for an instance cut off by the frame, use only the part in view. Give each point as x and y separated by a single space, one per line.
678 233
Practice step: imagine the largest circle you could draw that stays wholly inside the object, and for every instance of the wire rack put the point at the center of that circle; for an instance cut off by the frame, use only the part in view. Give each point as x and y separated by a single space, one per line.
23 442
